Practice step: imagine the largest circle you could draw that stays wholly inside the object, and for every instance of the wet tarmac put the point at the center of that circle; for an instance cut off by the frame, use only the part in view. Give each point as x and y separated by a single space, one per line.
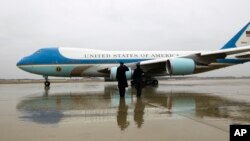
175 110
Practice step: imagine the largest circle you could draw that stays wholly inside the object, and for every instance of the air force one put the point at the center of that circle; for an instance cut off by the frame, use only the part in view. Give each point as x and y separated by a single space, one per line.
79 62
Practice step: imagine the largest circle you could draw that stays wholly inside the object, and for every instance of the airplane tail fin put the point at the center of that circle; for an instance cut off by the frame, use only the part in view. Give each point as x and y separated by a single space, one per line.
242 38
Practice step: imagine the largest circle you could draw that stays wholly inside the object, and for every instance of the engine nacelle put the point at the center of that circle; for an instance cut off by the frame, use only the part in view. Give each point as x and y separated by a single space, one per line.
180 66
113 73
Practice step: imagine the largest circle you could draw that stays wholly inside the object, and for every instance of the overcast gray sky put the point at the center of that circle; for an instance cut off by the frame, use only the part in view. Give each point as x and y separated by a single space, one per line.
27 25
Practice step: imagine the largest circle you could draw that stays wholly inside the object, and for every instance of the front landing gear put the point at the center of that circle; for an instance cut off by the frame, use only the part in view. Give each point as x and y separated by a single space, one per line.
46 83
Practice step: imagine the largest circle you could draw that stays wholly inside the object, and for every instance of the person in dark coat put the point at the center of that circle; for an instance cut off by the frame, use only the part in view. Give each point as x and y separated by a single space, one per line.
139 112
137 77
122 114
121 78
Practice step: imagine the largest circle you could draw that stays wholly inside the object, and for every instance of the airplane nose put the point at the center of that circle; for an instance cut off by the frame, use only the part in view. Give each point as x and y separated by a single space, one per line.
23 61
19 63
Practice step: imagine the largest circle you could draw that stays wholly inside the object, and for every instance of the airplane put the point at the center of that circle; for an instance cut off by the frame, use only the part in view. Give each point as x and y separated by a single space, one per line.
81 62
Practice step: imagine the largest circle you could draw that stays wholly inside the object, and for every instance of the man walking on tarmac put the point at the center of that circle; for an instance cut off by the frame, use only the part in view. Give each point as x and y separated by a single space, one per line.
137 77
121 78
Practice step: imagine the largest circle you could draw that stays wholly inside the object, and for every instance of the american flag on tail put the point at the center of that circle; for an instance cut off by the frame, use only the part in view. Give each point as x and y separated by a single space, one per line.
247 33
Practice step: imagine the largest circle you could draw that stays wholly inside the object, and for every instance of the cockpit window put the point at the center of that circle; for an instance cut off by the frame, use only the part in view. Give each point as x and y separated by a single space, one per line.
38 52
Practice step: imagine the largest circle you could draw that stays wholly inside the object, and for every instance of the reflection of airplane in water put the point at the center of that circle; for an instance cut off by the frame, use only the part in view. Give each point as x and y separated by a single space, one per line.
106 105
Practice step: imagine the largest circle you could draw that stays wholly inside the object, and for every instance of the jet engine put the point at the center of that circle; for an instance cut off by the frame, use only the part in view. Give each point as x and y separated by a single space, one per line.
113 73
180 66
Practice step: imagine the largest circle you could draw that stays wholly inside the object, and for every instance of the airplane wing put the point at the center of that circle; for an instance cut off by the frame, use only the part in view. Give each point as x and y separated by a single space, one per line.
210 57
229 51
201 59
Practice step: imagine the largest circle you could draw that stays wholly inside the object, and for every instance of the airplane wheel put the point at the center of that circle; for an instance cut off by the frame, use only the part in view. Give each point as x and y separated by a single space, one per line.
147 82
155 82
47 83
132 83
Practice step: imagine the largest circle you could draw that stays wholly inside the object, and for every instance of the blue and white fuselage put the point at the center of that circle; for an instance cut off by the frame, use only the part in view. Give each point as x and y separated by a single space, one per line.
78 62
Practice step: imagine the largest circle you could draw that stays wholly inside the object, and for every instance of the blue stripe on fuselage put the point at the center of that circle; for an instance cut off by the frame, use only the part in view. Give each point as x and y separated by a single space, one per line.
52 56
232 61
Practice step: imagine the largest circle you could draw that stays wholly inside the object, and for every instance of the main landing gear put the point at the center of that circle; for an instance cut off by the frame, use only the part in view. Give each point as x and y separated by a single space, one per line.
148 81
153 82
46 83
